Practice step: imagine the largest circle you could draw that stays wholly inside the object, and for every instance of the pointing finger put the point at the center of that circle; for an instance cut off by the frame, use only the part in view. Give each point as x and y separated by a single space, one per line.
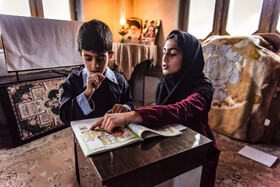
99 123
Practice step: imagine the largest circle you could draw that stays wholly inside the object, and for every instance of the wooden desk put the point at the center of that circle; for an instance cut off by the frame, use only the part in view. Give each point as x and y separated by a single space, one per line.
147 163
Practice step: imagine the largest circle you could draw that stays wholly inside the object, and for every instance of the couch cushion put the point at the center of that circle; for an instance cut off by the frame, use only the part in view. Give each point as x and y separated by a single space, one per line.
246 79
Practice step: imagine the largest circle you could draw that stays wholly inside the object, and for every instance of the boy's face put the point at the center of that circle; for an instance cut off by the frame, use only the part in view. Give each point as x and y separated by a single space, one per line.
95 62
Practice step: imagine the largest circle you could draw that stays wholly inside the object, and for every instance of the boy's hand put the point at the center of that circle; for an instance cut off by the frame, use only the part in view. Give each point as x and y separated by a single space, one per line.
93 82
118 108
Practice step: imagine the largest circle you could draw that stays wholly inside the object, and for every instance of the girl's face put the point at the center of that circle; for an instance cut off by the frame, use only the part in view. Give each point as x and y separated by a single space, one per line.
172 57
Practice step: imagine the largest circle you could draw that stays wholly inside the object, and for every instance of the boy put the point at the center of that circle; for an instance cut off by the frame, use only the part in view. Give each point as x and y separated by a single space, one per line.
96 89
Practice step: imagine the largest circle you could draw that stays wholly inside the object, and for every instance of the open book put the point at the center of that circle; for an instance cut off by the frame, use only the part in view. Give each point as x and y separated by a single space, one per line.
97 141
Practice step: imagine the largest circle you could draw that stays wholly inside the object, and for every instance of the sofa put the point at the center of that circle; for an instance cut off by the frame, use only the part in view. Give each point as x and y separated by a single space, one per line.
245 72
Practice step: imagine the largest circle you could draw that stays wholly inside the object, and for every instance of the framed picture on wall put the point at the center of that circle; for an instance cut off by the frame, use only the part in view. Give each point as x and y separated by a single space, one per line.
150 31
134 28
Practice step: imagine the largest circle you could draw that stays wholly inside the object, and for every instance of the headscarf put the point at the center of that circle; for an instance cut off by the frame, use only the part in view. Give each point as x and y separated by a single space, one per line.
190 78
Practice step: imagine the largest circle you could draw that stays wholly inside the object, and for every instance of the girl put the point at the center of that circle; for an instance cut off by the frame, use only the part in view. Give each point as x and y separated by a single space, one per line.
183 95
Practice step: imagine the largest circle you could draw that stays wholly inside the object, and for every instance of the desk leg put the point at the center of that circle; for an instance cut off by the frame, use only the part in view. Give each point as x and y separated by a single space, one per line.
86 174
76 161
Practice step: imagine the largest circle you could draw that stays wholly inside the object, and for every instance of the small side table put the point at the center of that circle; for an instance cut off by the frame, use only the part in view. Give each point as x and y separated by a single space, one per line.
128 55
146 163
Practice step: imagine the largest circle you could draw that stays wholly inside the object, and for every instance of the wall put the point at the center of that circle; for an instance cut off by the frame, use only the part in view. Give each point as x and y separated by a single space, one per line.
165 10
108 11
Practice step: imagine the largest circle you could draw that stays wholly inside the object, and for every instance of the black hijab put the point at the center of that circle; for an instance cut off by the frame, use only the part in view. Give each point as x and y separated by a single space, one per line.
190 79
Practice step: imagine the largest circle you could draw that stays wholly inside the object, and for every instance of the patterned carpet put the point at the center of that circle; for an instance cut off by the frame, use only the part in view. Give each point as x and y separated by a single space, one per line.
237 170
49 161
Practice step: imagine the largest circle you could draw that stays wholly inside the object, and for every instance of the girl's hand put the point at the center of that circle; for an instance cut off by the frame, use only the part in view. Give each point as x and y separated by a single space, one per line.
118 108
111 121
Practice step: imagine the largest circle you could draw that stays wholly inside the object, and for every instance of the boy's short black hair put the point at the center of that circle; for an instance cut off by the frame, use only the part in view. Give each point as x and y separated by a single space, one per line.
95 36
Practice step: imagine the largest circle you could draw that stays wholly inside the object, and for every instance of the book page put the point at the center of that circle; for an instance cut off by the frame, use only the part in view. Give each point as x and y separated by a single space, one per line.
93 142
146 132
179 127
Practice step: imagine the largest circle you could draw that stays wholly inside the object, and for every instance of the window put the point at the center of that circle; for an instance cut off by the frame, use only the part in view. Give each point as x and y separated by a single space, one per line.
278 25
243 17
15 7
228 17
54 9
201 17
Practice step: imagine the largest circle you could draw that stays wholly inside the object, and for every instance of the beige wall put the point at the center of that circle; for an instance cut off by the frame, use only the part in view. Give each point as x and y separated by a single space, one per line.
109 11
165 10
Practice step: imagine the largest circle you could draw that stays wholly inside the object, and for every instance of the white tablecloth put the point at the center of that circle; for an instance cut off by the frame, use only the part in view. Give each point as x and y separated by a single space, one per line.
127 56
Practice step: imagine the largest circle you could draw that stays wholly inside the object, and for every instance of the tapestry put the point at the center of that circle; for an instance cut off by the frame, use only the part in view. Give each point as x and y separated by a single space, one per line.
246 80
35 106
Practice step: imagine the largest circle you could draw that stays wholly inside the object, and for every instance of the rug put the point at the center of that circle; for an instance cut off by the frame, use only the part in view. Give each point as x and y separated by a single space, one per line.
236 170
49 161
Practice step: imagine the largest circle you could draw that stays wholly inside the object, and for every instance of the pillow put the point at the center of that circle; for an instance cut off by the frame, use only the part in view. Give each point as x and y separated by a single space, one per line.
32 108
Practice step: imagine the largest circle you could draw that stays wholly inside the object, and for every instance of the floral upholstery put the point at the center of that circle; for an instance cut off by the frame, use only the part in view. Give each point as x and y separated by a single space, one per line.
246 79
